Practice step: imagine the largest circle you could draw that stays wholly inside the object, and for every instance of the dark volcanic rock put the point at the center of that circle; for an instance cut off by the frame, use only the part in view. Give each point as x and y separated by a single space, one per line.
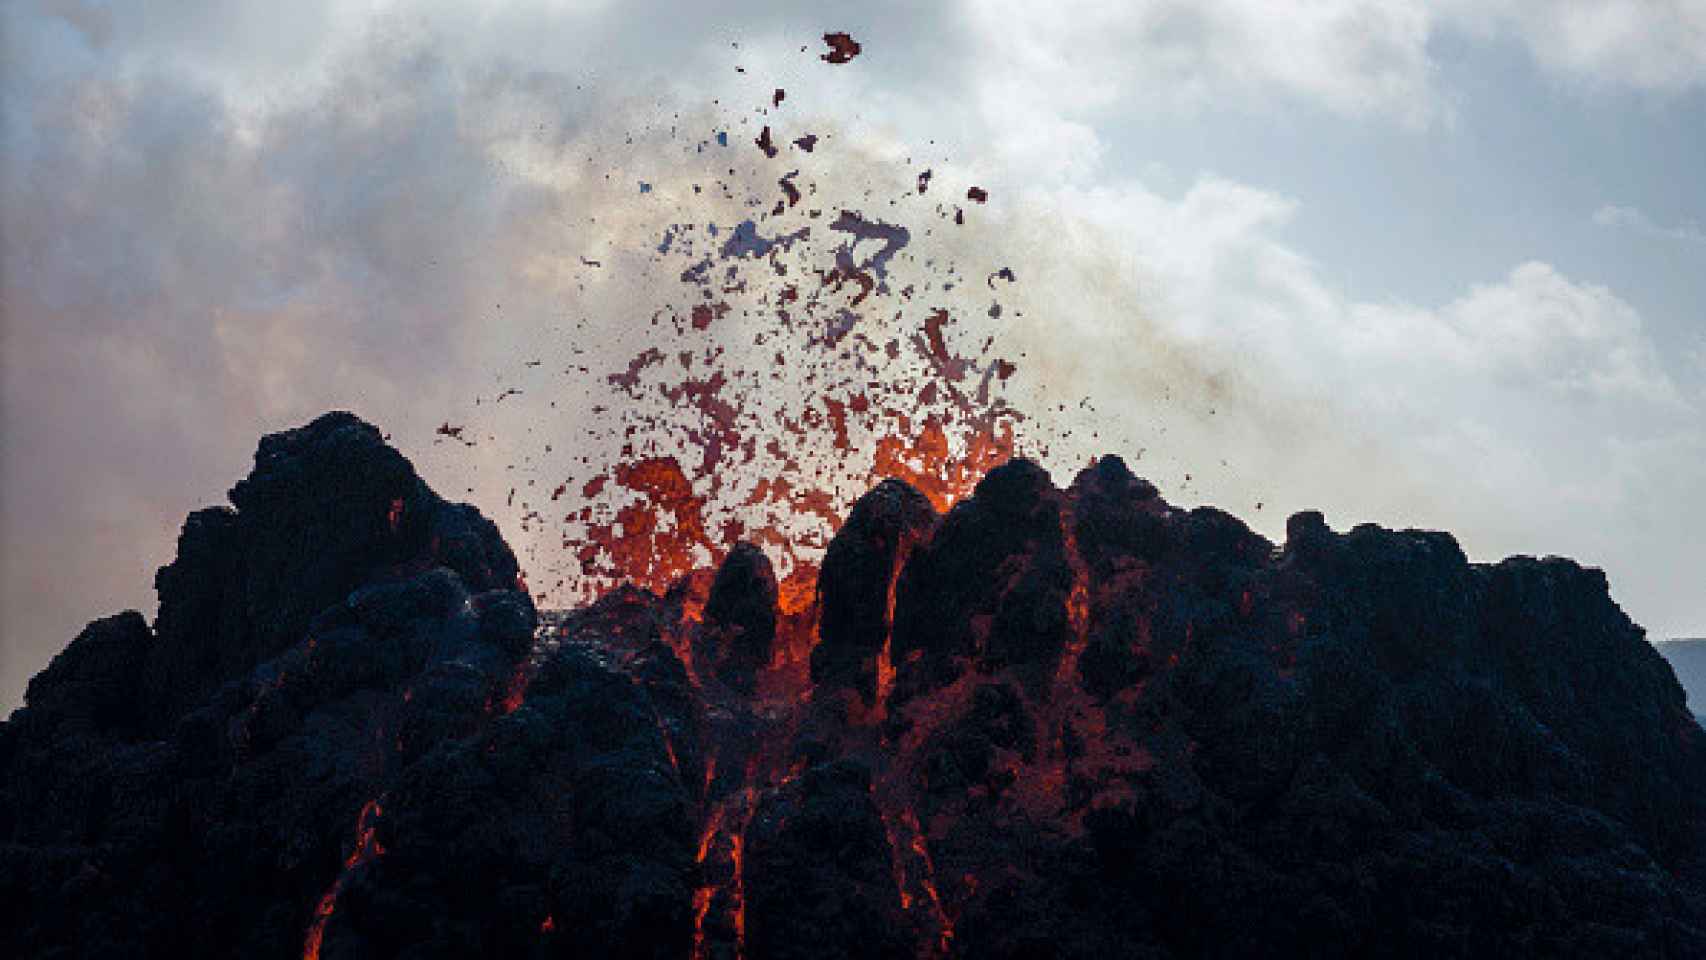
989 588
820 881
328 507
201 787
1096 726
92 681
740 616
857 584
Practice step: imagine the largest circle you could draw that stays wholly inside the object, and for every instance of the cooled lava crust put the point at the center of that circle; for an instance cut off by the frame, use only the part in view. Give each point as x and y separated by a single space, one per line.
1047 723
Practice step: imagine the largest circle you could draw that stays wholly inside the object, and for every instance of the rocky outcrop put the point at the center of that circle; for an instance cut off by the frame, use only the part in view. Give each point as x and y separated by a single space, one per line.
857 583
1065 723
200 786
327 508
740 617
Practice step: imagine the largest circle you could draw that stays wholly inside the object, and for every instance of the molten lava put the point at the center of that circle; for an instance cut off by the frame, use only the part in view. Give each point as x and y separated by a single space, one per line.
366 849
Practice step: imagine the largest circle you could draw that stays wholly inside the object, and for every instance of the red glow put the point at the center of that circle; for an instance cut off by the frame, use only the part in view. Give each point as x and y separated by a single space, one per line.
928 881
728 891
655 541
927 460
366 849
885 656
1077 603
787 679
702 896
740 894
515 692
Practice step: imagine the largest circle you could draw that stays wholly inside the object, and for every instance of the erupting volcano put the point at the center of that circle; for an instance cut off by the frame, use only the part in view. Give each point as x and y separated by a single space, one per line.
817 659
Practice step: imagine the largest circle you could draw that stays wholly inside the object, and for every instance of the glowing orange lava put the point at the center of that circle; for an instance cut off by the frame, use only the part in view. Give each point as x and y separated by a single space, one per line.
366 849
928 882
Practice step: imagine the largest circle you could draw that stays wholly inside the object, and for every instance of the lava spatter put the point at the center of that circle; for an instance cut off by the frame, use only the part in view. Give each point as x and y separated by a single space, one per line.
842 48
800 361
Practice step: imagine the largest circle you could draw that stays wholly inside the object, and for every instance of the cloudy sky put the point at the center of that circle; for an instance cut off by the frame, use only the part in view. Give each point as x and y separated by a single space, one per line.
1432 264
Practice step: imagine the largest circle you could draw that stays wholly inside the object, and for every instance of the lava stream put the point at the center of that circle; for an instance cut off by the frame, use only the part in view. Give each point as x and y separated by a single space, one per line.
366 849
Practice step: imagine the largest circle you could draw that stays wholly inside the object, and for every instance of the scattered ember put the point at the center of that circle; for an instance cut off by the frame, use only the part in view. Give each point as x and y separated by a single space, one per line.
842 48
800 359
765 143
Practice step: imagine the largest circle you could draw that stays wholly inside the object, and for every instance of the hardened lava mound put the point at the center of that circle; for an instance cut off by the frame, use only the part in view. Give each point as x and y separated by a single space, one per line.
1045 723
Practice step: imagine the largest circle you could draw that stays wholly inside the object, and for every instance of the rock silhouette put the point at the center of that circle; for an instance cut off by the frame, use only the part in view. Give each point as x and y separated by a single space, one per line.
1048 723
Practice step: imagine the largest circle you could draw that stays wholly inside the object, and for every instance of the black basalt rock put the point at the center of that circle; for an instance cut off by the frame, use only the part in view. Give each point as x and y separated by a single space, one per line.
92 681
740 616
818 873
989 587
856 584
1115 728
328 507
198 784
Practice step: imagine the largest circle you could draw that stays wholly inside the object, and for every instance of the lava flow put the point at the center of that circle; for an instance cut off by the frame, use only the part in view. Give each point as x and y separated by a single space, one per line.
366 850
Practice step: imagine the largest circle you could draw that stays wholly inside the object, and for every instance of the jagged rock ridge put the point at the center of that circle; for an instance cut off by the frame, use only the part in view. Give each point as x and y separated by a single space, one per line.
1048 722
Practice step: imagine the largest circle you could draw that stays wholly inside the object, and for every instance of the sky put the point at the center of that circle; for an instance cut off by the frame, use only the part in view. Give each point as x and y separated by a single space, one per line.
1422 264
